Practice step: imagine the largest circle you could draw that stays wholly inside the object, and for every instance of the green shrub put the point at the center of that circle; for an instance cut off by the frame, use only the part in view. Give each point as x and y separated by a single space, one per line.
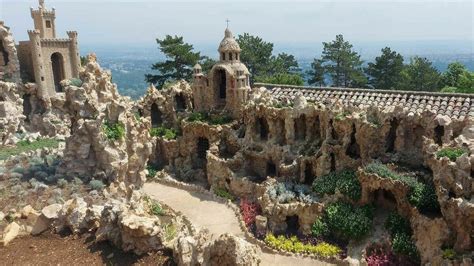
320 228
155 208
214 119
345 181
76 82
152 171
449 254
25 146
423 196
294 245
223 193
396 223
451 153
96 184
346 221
164 132
62 183
403 244
114 131
400 232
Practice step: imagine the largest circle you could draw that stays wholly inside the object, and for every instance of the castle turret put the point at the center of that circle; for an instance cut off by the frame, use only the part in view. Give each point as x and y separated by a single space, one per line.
74 51
44 20
37 61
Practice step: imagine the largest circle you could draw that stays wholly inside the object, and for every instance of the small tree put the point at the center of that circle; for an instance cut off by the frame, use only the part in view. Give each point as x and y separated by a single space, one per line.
420 75
316 74
386 72
343 64
179 63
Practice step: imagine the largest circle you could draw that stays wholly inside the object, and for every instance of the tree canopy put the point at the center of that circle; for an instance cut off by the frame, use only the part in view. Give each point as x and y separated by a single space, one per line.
342 64
420 75
386 72
316 74
180 60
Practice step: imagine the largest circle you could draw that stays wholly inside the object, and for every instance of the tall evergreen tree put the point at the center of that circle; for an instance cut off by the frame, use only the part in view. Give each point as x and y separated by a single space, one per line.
256 54
180 60
386 72
343 64
316 73
420 75
453 75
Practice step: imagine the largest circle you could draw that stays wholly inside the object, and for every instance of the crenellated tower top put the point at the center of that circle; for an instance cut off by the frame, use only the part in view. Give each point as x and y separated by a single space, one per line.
44 20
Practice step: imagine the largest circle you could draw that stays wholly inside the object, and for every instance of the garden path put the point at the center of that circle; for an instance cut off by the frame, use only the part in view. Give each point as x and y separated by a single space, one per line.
205 213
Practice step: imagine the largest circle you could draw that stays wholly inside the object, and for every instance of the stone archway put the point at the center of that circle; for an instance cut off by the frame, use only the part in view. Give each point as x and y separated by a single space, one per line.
57 63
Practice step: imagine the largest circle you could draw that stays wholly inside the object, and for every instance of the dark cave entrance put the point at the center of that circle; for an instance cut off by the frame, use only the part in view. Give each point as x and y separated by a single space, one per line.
292 225
4 53
384 199
271 169
438 135
57 63
308 174
317 128
202 148
156 116
27 108
300 128
160 161
392 136
262 128
280 132
333 130
333 162
180 102
220 81
353 150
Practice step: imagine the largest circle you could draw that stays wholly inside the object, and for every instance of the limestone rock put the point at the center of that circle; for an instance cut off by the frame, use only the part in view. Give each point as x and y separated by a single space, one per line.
10 232
232 250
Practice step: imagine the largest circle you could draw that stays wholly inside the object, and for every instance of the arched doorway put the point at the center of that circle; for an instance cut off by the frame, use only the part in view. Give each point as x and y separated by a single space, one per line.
220 83
57 63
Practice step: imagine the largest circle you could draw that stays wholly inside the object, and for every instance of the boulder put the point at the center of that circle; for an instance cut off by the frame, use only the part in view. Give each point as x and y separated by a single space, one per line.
11 232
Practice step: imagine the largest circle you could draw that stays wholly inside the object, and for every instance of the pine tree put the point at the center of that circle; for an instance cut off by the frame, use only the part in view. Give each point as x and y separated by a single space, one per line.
386 72
343 64
179 63
420 75
316 74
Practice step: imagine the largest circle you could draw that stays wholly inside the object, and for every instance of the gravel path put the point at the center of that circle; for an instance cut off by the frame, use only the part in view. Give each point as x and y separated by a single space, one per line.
204 212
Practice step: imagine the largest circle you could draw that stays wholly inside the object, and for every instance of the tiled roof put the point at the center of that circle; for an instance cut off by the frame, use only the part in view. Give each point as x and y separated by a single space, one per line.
457 106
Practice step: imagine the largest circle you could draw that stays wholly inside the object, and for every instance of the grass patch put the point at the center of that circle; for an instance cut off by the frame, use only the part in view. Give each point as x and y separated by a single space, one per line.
25 146
114 131
223 193
451 153
344 181
96 184
166 133
293 244
211 119
423 196
344 221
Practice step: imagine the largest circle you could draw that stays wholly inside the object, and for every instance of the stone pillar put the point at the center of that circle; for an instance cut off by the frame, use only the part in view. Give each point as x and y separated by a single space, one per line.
38 68
74 54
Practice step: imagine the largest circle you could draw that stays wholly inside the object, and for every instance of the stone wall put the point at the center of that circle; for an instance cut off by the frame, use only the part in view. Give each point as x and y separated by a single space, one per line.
9 64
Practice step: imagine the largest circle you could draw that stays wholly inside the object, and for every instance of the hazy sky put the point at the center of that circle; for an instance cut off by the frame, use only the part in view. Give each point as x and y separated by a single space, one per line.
140 22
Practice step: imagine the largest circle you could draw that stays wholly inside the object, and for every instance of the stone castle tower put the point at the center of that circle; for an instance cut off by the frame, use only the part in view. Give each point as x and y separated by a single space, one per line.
227 85
46 59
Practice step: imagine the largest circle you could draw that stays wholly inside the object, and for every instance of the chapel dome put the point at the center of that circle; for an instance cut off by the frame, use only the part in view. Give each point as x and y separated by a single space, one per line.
229 44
